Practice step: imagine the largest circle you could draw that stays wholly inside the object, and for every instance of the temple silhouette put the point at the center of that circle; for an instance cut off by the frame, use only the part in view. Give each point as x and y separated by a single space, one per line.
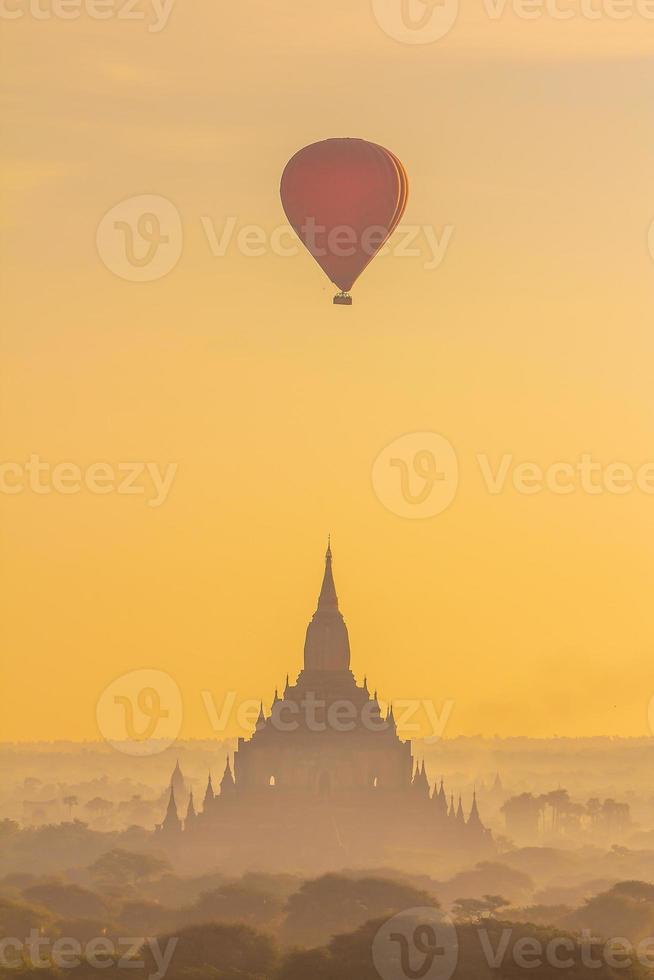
323 779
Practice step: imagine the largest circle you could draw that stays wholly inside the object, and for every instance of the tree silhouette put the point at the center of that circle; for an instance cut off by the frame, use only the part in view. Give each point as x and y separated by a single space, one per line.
476 909
121 868
238 902
522 814
558 802
626 910
349 956
333 903
98 805
70 802
67 900
593 809
233 951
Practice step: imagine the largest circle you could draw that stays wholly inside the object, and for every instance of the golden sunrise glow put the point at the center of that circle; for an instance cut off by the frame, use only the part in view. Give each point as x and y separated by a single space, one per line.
531 141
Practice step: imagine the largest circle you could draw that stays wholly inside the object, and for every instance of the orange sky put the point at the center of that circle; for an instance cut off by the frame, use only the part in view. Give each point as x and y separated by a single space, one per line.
532 141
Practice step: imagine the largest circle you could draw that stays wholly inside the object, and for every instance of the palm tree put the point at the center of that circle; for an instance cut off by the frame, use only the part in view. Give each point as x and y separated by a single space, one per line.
559 802
70 802
521 815
593 810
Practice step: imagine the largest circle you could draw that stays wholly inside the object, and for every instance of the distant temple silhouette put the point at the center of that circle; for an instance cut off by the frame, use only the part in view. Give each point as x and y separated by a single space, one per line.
324 777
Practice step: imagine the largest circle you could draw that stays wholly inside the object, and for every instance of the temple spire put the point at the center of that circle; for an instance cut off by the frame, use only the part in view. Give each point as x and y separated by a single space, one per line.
474 817
190 812
440 801
209 794
227 784
327 646
328 598
171 821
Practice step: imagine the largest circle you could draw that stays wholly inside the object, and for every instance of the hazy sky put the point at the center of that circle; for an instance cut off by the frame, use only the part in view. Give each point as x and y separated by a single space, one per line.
529 144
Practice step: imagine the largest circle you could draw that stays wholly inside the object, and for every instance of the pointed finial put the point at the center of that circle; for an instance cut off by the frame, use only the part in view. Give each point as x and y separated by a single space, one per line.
329 546
328 598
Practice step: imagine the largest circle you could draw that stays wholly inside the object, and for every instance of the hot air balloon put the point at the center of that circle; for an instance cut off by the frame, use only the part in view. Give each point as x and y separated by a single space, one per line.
344 198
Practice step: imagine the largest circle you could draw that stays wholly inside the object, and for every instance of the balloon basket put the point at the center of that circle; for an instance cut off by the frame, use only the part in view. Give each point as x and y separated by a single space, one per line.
342 299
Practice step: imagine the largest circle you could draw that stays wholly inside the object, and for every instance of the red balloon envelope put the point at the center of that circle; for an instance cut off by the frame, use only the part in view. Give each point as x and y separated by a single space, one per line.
344 198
